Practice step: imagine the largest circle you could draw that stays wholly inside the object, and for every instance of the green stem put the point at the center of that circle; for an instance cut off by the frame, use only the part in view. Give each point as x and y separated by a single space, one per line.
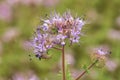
79 76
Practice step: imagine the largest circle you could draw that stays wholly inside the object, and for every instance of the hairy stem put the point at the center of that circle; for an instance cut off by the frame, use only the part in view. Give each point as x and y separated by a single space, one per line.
63 63
57 48
83 73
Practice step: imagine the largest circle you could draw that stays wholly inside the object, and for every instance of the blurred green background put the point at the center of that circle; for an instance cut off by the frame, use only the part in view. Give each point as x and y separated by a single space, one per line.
19 18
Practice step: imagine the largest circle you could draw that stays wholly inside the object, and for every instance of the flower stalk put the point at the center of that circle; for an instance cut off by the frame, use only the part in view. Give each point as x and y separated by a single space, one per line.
63 63
83 73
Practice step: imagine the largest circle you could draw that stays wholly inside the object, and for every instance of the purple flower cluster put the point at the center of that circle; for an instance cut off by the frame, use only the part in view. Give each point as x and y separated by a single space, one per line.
102 52
55 31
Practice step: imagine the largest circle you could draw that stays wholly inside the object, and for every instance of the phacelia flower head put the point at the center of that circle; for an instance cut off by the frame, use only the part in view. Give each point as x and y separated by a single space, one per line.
100 54
55 31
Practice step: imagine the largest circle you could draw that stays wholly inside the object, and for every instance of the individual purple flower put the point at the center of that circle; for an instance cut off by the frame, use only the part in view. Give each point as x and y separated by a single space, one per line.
102 52
45 27
79 23
74 36
60 39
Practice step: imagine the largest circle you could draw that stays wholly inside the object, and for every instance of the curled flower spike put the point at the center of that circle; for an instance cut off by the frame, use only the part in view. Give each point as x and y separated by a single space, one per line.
55 31
101 55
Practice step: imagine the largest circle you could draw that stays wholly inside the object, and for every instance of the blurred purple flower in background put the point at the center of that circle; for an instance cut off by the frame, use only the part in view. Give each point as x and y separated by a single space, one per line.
33 2
12 2
111 65
114 34
49 3
25 76
1 47
5 12
118 21
10 34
